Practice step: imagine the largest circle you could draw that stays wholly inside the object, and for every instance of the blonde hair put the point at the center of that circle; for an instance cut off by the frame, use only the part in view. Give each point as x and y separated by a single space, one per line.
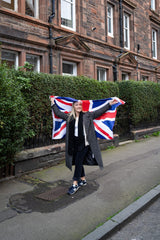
72 114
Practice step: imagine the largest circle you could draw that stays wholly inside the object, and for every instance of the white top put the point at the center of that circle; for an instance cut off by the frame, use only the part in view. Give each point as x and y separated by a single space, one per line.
76 127
76 131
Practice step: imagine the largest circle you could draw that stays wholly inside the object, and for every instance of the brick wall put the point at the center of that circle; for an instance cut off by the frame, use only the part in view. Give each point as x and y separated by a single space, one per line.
26 34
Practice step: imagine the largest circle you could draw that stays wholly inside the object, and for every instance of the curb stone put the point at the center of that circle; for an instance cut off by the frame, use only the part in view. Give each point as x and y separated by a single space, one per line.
126 214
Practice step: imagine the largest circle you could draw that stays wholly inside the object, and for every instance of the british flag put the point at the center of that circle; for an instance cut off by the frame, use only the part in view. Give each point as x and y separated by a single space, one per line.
103 125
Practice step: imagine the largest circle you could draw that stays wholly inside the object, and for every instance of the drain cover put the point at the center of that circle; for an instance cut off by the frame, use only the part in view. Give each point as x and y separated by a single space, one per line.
53 194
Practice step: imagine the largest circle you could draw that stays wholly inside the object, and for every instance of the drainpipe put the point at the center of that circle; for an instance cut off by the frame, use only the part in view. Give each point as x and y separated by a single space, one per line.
115 72
121 23
50 37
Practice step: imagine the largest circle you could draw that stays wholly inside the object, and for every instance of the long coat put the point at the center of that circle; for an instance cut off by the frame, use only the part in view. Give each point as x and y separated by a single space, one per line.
88 118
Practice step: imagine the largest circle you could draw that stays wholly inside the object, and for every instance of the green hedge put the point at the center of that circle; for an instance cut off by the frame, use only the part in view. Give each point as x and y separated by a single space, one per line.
13 116
25 110
44 85
142 101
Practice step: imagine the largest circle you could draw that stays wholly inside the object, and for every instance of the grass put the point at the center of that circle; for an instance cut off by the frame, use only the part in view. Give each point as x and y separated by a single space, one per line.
110 147
156 134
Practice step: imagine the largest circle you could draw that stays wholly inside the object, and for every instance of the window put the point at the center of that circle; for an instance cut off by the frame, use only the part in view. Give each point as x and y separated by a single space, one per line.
144 78
125 76
35 61
11 4
101 74
153 5
68 14
69 68
126 30
154 43
110 20
32 8
10 57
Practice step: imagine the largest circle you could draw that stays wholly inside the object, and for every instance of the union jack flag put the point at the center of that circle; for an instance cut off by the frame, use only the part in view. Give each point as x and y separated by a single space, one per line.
103 125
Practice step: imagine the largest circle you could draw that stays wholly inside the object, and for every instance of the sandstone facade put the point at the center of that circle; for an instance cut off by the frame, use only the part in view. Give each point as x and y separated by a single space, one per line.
40 31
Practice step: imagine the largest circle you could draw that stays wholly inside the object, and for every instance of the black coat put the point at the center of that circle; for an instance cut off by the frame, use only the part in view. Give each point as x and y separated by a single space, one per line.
88 118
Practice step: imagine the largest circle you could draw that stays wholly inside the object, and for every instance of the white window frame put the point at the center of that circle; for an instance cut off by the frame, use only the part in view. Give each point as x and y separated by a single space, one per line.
74 68
126 29
37 66
15 4
126 76
36 9
144 78
153 5
16 63
110 20
154 43
99 69
73 9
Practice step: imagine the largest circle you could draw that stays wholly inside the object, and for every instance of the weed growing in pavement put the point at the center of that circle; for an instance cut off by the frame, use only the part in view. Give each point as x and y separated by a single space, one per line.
156 134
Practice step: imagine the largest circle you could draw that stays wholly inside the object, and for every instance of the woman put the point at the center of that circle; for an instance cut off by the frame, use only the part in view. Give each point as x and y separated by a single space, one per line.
81 142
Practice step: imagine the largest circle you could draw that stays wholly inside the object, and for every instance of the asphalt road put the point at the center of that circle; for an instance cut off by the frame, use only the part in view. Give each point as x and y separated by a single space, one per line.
146 226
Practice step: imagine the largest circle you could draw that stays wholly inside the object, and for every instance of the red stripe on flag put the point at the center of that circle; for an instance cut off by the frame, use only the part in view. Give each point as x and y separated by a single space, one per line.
66 103
85 105
121 101
59 130
107 115
102 131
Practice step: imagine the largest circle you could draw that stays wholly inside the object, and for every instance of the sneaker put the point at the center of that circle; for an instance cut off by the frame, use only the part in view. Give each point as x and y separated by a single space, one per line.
73 189
82 183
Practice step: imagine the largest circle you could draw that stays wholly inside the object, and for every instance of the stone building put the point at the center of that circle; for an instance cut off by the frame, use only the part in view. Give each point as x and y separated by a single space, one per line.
108 40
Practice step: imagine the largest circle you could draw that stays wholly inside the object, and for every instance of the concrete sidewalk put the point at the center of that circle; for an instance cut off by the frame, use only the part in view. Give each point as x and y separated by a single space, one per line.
130 171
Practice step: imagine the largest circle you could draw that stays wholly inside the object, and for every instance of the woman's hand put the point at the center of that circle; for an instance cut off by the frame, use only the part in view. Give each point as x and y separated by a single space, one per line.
112 102
52 100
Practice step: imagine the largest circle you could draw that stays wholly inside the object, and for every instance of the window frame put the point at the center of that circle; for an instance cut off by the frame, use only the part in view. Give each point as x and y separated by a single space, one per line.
37 63
126 74
12 6
110 19
154 41
16 62
75 68
73 2
145 78
36 9
126 28
99 68
153 5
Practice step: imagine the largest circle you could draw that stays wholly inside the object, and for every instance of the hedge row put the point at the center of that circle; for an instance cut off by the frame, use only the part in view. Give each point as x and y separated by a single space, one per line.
143 101
31 93
13 116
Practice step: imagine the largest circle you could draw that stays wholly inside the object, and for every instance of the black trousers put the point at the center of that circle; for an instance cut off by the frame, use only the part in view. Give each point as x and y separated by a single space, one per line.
80 152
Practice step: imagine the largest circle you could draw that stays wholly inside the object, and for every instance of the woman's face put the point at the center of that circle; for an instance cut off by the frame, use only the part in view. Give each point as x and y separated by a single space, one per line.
78 106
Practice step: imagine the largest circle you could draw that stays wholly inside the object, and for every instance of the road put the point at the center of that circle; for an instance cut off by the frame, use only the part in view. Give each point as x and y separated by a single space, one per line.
146 226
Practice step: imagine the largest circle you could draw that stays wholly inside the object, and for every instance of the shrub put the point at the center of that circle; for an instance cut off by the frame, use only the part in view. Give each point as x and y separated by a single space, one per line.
44 85
13 116
142 101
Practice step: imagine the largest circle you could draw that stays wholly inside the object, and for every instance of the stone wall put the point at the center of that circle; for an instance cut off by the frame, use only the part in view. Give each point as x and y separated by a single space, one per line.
37 158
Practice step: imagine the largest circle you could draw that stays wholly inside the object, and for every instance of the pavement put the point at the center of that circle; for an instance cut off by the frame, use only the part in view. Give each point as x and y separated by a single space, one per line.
35 206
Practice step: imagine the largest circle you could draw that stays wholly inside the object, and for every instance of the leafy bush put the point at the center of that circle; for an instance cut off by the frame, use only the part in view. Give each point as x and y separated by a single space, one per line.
142 101
44 85
25 112
13 116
